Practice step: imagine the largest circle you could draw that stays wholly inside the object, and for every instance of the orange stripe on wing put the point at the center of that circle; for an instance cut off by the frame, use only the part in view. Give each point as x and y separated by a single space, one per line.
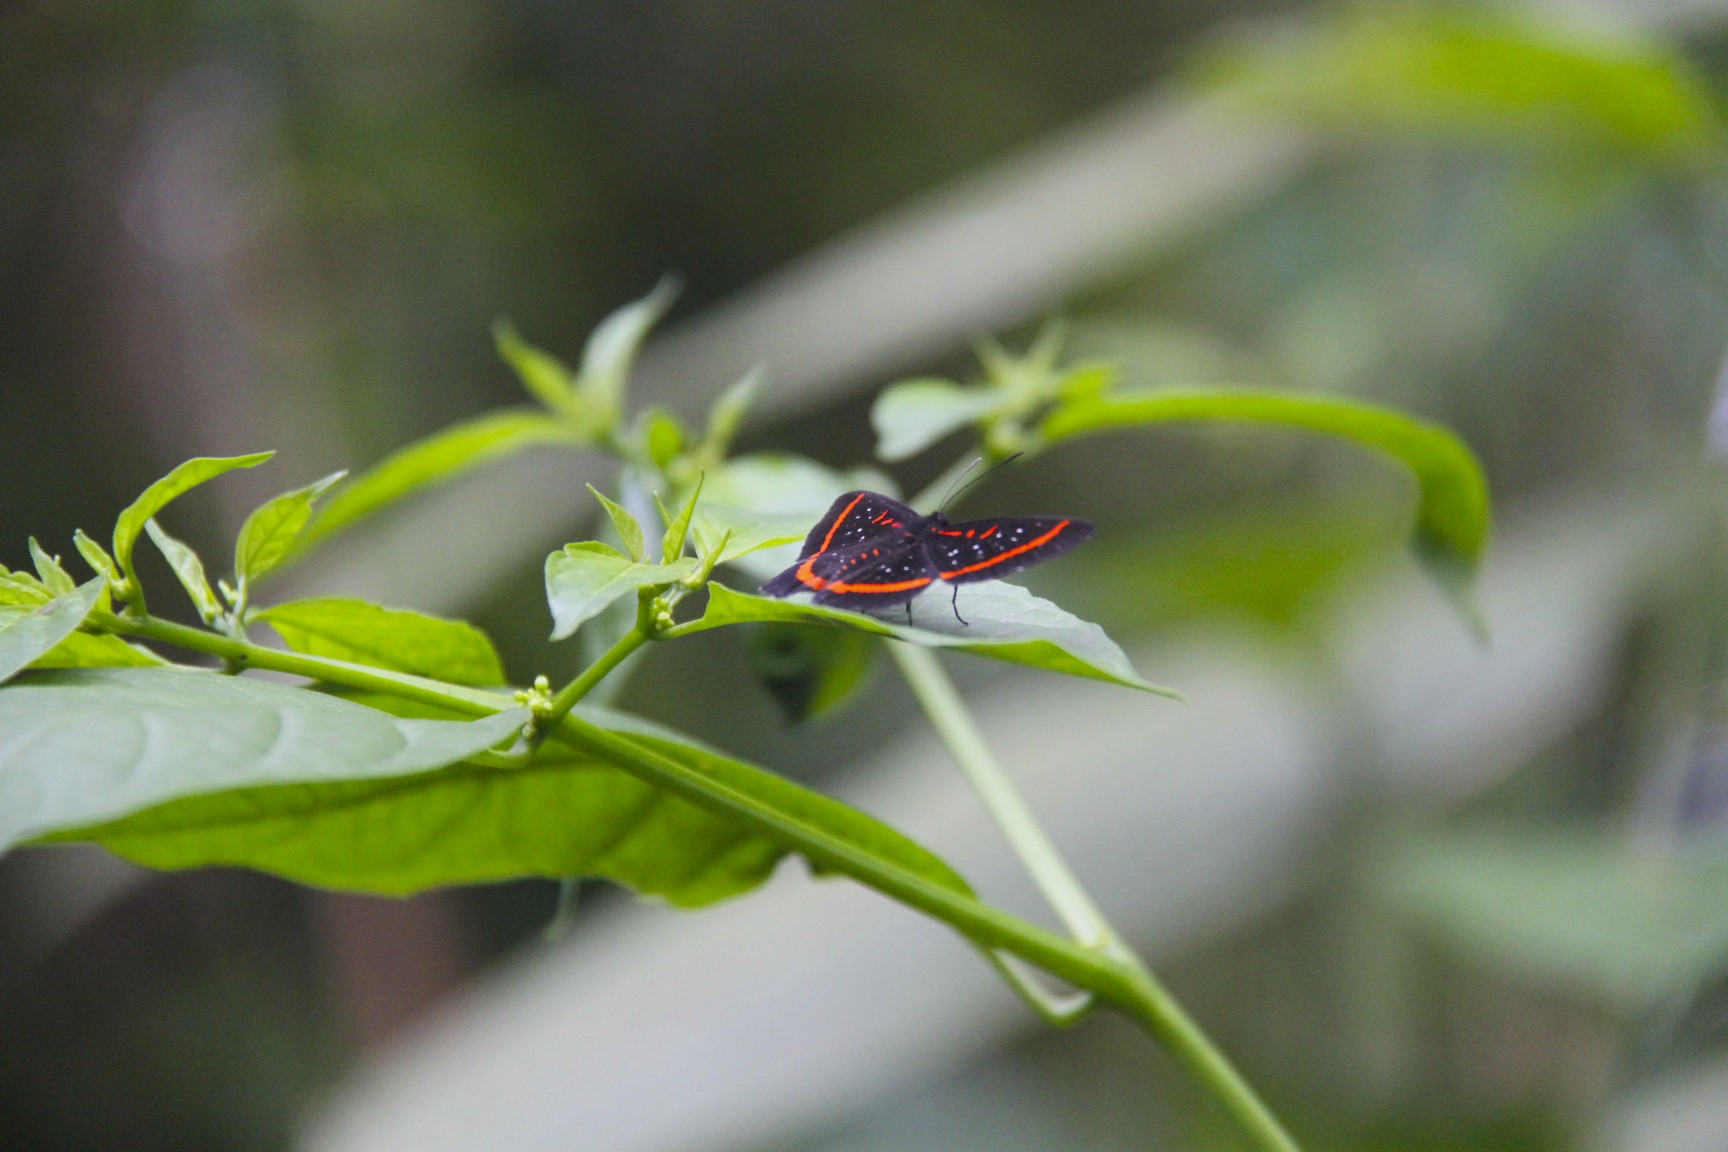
835 527
899 586
997 559
806 574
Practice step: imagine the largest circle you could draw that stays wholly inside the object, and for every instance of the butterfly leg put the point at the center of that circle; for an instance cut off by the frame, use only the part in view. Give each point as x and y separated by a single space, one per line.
955 604
908 613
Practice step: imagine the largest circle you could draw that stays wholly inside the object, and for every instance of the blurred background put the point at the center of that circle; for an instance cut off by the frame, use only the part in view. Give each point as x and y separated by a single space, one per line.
1431 894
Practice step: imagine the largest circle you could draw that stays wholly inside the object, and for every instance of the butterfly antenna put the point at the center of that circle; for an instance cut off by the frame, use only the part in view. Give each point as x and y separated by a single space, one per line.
957 489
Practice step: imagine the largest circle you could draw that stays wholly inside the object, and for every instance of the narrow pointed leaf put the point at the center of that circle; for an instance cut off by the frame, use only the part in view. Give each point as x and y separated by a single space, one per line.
611 349
162 493
582 579
727 416
189 569
54 578
1005 622
678 527
95 555
1452 513
27 634
395 638
269 532
547 378
435 460
629 529
84 746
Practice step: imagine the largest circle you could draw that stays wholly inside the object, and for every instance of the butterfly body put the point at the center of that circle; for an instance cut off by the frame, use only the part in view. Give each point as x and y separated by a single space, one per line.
873 552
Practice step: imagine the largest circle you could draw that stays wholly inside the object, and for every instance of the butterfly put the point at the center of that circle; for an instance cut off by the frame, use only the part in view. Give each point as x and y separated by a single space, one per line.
873 552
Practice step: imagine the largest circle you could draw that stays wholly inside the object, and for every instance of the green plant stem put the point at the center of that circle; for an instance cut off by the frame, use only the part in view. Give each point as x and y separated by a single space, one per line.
573 692
953 722
1120 980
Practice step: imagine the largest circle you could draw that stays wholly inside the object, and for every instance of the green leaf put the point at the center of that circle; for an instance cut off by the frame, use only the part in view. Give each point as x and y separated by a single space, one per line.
162 493
582 579
54 578
727 416
395 638
89 650
546 377
629 529
1452 513
1005 622
1477 76
612 348
914 414
810 672
1565 906
661 436
269 532
22 589
84 746
745 531
96 556
678 526
189 569
564 814
27 634
769 501
435 460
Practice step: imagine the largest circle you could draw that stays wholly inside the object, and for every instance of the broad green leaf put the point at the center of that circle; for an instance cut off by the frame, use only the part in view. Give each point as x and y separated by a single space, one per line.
54 578
411 642
27 634
1475 75
769 502
565 814
582 579
269 532
90 650
912 415
438 458
810 672
745 531
22 589
162 493
189 569
1452 515
629 528
1005 622
612 348
84 746
1578 909
546 377
678 525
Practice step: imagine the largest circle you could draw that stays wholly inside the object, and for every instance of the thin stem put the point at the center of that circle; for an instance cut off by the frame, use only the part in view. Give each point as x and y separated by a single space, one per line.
572 692
1164 1019
243 654
953 722
1119 979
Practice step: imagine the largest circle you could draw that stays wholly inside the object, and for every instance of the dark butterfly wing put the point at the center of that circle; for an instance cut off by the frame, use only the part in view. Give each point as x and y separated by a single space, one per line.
855 518
986 549
852 521
868 576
